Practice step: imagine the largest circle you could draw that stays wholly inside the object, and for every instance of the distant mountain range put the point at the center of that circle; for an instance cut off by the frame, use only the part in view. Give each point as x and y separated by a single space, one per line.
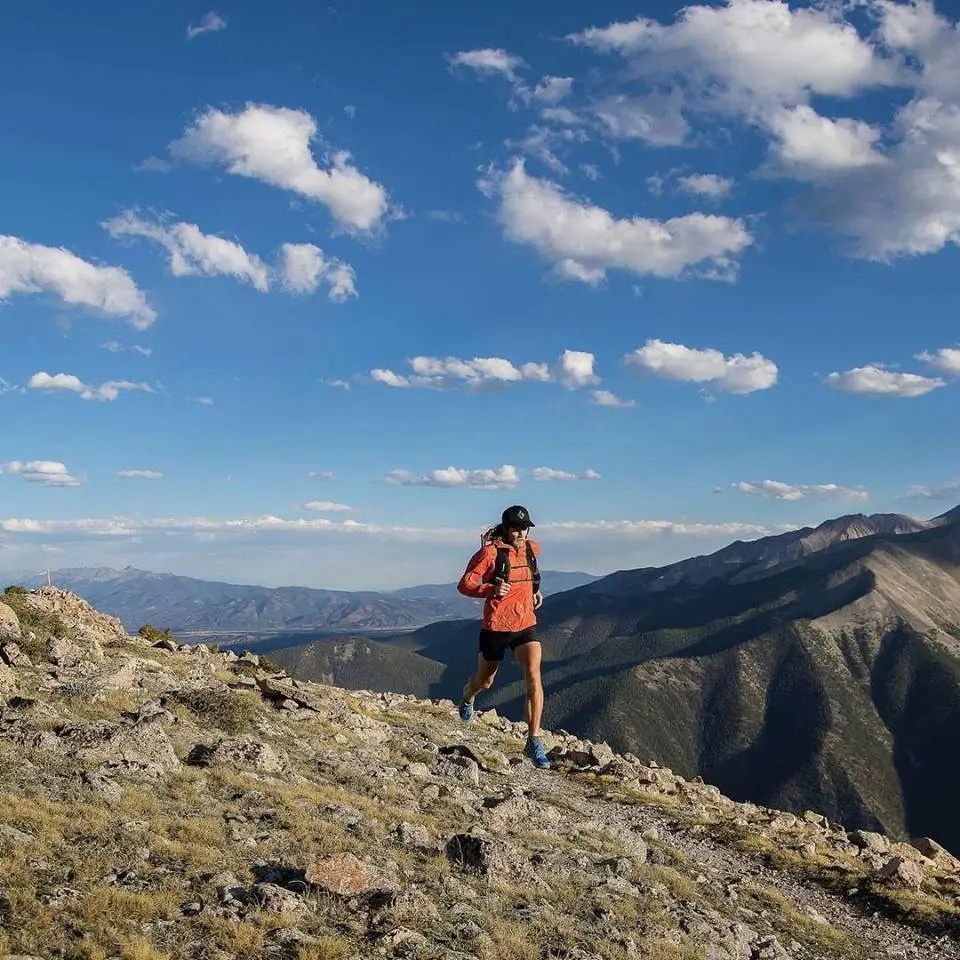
187 605
818 669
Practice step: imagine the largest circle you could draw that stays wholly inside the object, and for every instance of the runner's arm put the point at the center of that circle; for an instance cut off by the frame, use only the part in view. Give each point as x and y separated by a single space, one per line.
473 583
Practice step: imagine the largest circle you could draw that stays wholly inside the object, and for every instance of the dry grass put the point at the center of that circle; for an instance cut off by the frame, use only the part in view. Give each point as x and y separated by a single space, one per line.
788 920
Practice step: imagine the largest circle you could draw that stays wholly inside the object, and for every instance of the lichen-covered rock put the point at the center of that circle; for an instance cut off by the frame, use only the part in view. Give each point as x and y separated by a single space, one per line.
9 624
345 875
903 873
243 752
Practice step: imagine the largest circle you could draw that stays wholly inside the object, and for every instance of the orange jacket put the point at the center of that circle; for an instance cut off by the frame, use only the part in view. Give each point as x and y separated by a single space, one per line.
515 610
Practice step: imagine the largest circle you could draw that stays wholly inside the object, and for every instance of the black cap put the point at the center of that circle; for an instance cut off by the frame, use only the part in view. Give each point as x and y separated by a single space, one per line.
517 517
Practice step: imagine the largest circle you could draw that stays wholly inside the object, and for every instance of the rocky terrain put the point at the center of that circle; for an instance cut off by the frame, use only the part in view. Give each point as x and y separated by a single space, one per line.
162 800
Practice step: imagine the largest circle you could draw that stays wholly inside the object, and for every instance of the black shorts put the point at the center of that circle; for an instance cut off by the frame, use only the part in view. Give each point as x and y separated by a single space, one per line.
495 643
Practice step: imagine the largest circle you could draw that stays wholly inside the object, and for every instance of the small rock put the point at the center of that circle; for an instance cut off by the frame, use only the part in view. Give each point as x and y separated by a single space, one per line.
14 835
901 872
11 654
9 624
345 875
870 842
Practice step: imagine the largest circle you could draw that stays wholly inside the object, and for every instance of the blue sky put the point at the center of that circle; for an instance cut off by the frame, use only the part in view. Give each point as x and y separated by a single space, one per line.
308 296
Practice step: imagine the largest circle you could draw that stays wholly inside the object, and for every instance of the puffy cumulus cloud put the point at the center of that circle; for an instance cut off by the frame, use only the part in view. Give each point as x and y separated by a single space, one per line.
545 474
326 506
877 381
944 491
585 240
69 383
748 51
272 144
738 374
47 473
303 267
211 23
501 478
576 369
33 268
440 373
604 398
193 252
140 474
946 360
488 61
776 490
809 146
705 185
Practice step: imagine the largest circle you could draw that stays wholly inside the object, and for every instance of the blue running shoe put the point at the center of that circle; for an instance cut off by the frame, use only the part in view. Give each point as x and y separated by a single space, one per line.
534 750
466 710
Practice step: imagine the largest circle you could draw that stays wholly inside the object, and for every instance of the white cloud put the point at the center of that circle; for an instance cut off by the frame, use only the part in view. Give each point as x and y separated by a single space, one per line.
33 268
545 474
325 506
242 527
706 185
445 372
502 478
561 115
391 379
591 240
877 381
775 490
655 118
114 346
206 401
809 146
321 474
211 23
340 384
946 491
193 252
550 90
272 144
47 473
946 360
642 529
604 398
738 374
749 50
576 369
109 390
140 474
489 61
304 267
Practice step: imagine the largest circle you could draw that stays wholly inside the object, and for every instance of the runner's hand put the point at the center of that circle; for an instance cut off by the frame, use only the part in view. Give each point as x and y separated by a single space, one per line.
500 590
537 600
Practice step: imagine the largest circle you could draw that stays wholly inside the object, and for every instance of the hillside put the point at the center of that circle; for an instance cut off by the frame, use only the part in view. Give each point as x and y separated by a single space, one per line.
189 605
162 800
822 671
831 681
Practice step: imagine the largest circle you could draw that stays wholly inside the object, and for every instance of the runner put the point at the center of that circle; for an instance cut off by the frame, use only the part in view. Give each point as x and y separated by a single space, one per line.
504 573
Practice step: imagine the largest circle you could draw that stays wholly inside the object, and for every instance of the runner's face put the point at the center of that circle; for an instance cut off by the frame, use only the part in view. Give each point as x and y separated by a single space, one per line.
516 535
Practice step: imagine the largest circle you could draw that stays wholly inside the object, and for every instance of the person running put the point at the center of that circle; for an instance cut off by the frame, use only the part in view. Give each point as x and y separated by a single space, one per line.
504 574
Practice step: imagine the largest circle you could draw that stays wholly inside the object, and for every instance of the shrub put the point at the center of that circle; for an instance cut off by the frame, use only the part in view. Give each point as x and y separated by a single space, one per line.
152 635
